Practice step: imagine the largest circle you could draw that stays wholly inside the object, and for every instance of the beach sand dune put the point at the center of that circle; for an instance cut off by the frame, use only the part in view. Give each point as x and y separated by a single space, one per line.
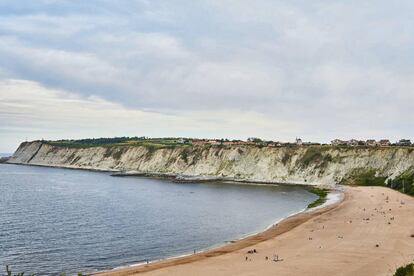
368 233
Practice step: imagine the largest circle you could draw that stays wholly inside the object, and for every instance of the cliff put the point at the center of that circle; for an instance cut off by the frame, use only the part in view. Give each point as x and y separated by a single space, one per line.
298 165
4 159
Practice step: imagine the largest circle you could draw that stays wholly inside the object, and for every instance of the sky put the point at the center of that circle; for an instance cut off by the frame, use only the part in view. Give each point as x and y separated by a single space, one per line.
278 70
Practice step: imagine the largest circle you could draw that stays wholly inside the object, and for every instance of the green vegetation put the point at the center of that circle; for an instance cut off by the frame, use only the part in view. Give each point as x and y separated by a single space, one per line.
367 177
184 155
255 140
150 143
321 193
407 270
114 152
364 177
404 182
312 155
286 158
94 142
117 155
197 154
315 155
151 148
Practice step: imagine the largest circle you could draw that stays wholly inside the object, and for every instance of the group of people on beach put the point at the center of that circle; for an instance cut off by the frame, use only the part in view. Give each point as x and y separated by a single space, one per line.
253 251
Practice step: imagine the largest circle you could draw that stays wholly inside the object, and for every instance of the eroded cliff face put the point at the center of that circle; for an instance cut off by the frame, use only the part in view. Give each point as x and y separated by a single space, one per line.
297 165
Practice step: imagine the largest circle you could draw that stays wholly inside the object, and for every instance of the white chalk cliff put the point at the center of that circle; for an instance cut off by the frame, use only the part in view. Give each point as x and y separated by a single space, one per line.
294 164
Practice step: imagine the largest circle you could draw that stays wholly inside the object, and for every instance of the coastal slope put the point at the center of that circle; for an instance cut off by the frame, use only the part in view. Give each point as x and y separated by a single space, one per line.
326 165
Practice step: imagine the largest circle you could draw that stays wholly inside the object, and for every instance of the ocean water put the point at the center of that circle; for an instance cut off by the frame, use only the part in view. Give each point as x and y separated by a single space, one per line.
58 220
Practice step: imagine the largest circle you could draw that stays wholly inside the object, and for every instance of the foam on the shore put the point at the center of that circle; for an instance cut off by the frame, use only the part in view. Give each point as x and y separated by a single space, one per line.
331 198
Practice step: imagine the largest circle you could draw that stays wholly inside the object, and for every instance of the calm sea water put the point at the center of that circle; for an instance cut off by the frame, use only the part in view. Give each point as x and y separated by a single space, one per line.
57 220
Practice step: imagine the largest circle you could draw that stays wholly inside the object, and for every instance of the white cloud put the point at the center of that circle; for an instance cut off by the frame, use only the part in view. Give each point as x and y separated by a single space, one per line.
326 68
30 110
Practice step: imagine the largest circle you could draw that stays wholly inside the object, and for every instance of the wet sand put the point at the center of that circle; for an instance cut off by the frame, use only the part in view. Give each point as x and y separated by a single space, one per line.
368 233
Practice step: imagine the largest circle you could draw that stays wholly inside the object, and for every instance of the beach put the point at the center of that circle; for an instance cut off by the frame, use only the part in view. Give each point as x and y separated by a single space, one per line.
367 233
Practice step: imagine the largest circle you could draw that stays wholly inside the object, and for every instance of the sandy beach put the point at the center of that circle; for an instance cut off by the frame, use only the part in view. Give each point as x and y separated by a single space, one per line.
368 233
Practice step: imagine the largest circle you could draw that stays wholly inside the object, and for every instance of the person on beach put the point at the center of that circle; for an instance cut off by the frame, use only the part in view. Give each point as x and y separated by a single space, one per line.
276 258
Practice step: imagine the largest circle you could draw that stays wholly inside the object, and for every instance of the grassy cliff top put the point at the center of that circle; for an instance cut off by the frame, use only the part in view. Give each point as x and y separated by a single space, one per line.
173 142
117 141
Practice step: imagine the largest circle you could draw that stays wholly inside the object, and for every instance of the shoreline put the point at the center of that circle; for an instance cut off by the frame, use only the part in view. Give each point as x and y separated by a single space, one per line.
275 229
206 250
369 232
235 244
179 178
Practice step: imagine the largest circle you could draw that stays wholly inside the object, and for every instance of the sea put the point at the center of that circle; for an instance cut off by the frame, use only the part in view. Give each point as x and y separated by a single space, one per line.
55 221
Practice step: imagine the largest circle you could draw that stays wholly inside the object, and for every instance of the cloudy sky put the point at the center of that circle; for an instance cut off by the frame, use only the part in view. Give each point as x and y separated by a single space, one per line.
319 69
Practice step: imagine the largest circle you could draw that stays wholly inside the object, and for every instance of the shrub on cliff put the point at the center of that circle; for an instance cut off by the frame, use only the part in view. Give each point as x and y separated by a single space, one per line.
407 270
315 155
364 177
403 182
367 177
184 156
